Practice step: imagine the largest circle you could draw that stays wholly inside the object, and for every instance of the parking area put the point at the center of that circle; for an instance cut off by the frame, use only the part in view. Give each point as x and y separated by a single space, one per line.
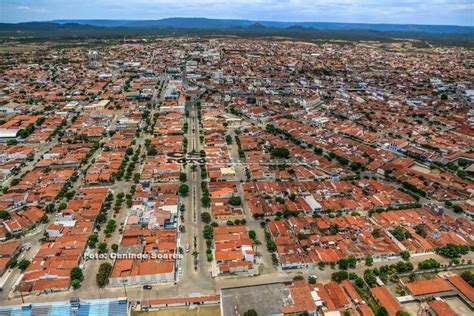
269 299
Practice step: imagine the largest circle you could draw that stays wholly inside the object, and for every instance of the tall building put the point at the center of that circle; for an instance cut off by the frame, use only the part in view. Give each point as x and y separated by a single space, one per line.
93 58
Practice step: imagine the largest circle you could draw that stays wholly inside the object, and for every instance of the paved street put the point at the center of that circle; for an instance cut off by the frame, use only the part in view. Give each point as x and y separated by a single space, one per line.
192 285
264 257
194 280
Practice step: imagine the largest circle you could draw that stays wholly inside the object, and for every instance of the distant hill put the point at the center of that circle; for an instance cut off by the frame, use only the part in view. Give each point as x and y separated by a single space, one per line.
195 23
204 23
308 31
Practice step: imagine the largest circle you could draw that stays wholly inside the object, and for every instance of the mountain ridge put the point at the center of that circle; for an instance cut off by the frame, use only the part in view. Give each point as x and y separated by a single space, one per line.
206 23
308 31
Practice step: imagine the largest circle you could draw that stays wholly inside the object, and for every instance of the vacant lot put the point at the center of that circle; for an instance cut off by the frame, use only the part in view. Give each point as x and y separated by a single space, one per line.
18 48
211 310
412 308
458 306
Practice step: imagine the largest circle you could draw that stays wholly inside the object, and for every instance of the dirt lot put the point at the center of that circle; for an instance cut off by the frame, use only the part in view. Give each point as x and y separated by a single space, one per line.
211 310
411 308
458 306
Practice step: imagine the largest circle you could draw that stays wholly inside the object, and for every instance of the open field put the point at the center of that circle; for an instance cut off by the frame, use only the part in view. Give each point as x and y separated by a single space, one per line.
19 48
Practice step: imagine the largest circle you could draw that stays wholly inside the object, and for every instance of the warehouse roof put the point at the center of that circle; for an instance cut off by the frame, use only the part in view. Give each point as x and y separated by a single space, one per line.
8 133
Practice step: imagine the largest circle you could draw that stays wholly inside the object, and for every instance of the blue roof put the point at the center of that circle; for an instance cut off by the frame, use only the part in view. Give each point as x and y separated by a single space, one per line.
103 307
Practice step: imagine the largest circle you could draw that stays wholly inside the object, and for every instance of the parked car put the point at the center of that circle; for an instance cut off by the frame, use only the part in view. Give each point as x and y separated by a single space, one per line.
147 287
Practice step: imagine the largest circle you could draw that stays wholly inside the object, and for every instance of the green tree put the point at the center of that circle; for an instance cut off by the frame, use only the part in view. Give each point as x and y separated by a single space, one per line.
457 209
452 251
12 142
102 247
321 265
381 311
370 278
400 233
251 312
206 217
275 259
333 229
152 151
429 264
44 218
235 200
75 283
102 277
468 276
340 276
183 190
376 233
76 274
92 240
420 230
4 215
280 152
50 208
369 260
271 246
405 255
23 264
207 232
12 263
206 201
114 247
62 206
351 262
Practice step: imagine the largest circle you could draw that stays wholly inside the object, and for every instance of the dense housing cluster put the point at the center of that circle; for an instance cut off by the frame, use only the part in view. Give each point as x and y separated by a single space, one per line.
345 168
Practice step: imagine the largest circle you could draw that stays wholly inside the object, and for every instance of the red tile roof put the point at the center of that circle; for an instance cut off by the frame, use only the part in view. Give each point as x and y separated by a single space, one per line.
428 287
441 308
386 299
462 286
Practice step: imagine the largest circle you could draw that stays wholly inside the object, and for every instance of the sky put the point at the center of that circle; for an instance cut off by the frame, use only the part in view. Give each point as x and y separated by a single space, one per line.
453 12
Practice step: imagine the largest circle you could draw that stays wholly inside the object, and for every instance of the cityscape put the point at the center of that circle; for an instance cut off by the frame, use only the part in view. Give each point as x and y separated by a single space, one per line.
187 173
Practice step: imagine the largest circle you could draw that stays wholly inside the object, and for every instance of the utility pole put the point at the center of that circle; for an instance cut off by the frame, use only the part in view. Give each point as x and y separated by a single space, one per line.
22 299
125 289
